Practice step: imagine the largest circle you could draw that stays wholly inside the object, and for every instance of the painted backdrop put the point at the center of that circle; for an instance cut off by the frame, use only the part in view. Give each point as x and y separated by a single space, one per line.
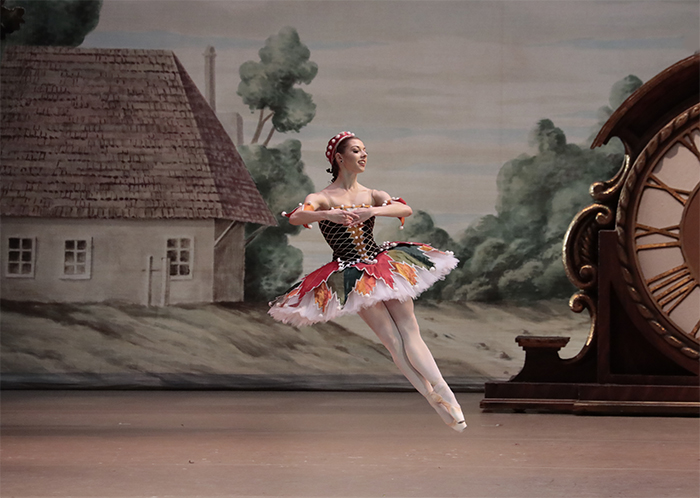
464 106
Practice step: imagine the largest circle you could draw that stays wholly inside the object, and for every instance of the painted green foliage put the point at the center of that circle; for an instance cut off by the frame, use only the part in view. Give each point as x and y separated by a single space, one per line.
272 265
516 254
54 22
268 85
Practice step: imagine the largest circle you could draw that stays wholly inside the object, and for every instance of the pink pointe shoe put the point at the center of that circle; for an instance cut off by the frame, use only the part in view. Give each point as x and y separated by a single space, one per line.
456 420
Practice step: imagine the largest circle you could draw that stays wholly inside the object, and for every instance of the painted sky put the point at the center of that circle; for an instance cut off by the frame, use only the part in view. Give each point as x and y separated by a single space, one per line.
442 92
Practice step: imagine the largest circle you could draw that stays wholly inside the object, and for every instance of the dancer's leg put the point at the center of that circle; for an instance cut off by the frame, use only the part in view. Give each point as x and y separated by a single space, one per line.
380 321
422 360
415 348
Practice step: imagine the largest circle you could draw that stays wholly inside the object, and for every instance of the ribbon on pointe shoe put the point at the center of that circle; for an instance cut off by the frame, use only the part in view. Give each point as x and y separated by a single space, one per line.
458 423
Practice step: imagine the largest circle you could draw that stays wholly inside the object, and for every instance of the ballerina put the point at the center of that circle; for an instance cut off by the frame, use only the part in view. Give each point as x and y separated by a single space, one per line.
378 282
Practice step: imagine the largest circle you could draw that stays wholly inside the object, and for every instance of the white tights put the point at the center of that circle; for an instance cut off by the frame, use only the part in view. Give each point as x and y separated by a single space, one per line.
395 324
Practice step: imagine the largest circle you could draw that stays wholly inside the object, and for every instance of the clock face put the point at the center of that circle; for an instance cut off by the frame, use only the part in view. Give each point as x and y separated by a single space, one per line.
665 227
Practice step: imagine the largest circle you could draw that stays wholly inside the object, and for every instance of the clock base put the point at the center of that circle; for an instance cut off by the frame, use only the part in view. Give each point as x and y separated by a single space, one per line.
620 371
592 399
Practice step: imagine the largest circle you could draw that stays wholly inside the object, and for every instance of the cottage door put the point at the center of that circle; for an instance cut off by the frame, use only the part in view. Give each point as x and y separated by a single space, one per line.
157 282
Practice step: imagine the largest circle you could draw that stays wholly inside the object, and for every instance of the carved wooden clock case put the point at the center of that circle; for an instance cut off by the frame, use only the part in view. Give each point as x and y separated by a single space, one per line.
635 257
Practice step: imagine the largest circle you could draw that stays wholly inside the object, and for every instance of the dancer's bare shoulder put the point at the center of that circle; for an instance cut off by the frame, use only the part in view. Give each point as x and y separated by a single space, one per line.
379 197
318 200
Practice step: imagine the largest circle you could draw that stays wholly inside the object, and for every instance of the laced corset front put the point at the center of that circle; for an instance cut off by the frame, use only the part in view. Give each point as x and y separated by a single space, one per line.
351 244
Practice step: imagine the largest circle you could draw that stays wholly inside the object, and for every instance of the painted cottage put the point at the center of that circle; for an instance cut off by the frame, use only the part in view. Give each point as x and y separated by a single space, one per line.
118 181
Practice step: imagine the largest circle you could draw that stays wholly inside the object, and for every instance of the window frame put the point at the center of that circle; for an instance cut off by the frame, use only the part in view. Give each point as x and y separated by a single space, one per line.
88 259
190 262
32 274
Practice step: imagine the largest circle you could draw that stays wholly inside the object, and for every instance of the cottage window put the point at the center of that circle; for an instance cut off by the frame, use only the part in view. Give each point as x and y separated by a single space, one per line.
77 256
179 254
21 256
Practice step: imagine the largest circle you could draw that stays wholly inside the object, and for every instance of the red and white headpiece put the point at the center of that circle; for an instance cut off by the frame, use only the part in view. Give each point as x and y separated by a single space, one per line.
333 144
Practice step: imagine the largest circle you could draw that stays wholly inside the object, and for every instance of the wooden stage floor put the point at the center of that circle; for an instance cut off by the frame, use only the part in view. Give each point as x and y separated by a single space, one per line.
329 444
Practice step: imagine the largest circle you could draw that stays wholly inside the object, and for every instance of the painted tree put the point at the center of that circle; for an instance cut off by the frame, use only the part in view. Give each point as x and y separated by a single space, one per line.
10 19
272 264
516 254
618 94
54 22
268 86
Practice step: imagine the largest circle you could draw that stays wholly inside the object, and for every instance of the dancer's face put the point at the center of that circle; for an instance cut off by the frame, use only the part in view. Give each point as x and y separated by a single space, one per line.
354 157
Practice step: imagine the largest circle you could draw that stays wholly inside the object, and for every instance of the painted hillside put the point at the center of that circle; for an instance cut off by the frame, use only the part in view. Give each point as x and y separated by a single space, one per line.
240 346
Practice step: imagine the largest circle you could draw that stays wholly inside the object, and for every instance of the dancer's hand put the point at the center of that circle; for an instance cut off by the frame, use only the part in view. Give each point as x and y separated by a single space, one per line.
363 214
342 216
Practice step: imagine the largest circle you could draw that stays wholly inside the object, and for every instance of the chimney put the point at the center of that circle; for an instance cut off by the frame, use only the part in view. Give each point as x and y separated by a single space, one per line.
209 84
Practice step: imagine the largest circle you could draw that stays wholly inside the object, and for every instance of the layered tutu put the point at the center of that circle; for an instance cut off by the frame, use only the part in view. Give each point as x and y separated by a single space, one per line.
401 270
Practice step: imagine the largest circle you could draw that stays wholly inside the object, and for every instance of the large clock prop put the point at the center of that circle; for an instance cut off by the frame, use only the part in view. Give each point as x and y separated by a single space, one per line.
634 255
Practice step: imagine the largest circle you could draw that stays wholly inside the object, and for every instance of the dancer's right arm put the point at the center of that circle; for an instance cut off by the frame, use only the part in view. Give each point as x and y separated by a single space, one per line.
316 208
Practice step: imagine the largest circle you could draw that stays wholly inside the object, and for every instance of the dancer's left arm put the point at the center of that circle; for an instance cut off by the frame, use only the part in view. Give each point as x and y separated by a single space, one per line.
383 206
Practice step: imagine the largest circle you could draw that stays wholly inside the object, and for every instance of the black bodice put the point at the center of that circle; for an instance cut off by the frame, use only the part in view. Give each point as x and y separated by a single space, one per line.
350 244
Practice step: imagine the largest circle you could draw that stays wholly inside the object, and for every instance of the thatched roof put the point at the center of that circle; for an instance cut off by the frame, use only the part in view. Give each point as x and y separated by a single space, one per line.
115 133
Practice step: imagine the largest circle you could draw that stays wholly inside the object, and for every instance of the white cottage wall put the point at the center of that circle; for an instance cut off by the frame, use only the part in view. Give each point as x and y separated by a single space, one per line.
229 261
119 259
